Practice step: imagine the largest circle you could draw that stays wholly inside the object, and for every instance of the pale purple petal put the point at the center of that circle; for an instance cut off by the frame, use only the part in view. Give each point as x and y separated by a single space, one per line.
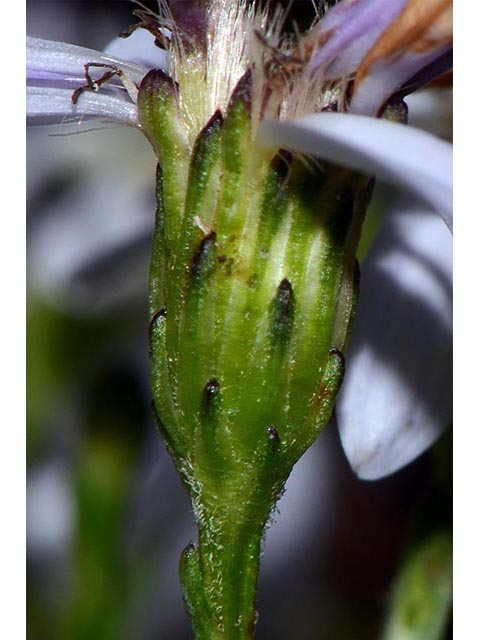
55 69
442 64
386 79
139 48
396 398
353 28
397 154
45 102
48 60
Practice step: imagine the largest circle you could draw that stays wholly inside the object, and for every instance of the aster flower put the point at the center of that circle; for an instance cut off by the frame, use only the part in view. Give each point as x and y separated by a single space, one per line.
392 35
278 93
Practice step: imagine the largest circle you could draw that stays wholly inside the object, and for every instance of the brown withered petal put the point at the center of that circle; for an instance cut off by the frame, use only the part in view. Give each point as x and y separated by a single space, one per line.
421 27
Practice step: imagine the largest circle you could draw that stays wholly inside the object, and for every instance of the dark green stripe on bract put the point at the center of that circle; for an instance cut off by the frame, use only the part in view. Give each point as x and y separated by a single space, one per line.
200 200
211 445
159 253
162 123
236 146
205 156
166 409
274 202
194 249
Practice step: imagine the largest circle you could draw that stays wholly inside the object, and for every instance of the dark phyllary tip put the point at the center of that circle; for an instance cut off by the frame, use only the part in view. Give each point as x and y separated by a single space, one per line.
242 92
156 322
212 387
339 355
189 548
281 163
273 438
283 310
210 393
272 434
161 314
203 139
212 125
157 81
340 366
203 254
285 297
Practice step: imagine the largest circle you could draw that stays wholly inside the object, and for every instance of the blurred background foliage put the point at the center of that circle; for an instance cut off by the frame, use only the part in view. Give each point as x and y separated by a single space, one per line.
107 517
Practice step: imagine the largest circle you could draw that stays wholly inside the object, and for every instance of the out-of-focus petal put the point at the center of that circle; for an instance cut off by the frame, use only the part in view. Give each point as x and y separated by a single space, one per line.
139 48
396 397
46 58
45 102
341 39
432 110
50 511
99 219
395 153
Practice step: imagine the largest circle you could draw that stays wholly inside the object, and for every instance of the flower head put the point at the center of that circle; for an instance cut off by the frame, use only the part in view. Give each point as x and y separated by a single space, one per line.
352 61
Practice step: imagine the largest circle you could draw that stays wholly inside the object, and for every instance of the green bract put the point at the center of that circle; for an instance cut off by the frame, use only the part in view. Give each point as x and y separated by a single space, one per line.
252 290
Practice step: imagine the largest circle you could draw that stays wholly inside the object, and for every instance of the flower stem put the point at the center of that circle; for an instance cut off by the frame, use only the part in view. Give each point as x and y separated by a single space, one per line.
219 577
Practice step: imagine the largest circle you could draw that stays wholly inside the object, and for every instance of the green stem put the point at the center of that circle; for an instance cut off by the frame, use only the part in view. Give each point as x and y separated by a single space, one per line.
219 577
